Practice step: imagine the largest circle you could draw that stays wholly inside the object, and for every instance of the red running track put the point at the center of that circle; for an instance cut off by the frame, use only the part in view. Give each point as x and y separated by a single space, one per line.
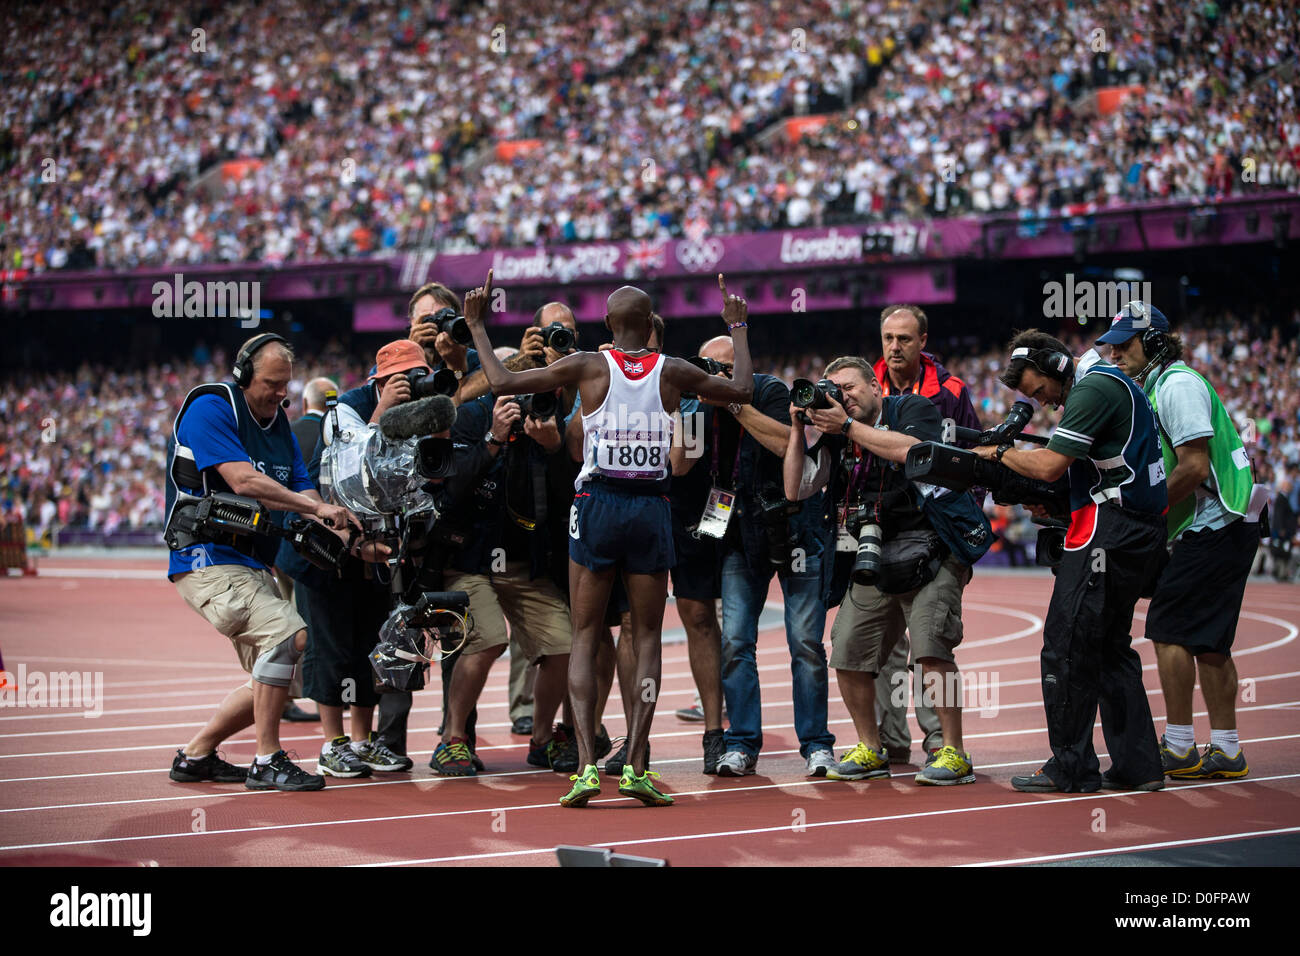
94 790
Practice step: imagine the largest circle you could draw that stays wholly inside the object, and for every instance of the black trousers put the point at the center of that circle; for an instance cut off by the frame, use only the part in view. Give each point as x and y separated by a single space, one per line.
395 709
343 628
1088 661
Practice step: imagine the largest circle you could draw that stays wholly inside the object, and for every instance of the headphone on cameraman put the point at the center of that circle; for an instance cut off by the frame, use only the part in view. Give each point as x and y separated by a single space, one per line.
1155 346
243 371
1053 363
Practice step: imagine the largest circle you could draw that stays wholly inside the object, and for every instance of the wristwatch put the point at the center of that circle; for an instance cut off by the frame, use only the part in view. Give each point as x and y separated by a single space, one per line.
1002 450
734 408
492 439
848 423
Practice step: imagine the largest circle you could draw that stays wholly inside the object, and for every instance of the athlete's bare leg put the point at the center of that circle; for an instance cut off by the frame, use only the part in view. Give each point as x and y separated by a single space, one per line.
626 664
605 655
588 597
647 594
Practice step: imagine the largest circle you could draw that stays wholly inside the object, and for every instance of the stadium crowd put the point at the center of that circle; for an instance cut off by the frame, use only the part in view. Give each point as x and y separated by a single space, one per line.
82 449
141 134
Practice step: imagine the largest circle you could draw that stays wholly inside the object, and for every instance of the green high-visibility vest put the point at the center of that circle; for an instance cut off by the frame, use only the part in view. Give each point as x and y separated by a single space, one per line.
1228 462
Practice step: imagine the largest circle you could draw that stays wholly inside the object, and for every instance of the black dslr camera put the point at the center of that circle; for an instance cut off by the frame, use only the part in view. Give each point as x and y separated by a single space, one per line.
452 322
809 394
538 406
708 366
774 514
425 384
558 337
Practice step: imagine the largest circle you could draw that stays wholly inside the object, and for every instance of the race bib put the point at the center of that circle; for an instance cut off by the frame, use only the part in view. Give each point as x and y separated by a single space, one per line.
717 513
630 454
573 522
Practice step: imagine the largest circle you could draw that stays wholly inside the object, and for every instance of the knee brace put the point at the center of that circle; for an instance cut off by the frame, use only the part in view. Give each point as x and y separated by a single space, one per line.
275 667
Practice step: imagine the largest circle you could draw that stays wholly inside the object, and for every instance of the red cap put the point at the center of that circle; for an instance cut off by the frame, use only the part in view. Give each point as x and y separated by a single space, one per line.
400 356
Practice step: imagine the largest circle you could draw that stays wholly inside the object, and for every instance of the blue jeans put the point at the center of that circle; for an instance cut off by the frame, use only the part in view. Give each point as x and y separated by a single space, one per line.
743 596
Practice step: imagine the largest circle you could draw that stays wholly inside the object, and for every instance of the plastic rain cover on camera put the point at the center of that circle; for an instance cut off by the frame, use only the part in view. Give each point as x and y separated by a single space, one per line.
404 651
374 476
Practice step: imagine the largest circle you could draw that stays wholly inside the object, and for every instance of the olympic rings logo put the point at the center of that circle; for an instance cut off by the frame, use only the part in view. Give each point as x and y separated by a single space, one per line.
700 255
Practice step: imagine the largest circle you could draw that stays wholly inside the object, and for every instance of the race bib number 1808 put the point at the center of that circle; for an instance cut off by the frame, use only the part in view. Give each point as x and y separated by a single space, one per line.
632 455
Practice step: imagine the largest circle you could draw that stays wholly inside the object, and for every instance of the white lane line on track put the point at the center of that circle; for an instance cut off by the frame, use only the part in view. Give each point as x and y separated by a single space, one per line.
1100 795
785 828
135 574
1035 624
1110 851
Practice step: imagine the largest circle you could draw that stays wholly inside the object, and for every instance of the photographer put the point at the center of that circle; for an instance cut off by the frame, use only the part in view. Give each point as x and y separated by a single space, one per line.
1192 620
235 438
1108 445
905 367
908 570
756 532
345 616
507 511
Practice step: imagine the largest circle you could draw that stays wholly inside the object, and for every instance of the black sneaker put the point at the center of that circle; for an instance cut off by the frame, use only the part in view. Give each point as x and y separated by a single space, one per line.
212 767
281 774
603 744
714 748
563 750
614 765
523 727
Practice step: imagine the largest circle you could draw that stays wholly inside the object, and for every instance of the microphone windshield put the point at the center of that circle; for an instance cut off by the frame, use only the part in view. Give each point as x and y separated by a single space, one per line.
424 416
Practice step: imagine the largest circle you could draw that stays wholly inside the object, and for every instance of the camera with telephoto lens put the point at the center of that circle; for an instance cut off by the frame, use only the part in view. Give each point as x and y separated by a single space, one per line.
425 383
708 366
774 514
558 337
961 469
863 522
538 406
1050 548
809 394
452 322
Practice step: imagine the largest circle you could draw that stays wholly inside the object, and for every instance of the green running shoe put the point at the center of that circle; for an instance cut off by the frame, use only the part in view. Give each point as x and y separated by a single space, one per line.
586 786
630 785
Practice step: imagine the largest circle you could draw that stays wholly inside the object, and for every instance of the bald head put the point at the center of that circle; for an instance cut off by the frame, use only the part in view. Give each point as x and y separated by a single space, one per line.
313 394
720 349
553 312
627 314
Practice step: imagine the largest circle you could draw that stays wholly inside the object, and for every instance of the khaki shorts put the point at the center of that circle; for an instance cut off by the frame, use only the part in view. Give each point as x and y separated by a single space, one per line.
539 618
245 605
869 622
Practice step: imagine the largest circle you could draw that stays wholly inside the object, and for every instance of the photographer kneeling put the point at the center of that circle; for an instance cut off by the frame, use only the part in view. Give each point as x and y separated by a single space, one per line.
1108 444
913 554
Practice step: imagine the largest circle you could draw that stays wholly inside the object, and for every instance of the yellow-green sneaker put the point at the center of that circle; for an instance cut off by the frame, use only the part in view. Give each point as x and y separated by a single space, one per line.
860 763
586 786
630 785
949 767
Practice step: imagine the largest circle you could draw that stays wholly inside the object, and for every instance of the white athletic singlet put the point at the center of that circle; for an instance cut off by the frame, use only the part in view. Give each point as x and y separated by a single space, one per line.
629 436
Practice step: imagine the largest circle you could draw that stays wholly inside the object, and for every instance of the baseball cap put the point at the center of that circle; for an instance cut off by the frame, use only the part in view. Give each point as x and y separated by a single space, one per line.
1135 317
400 356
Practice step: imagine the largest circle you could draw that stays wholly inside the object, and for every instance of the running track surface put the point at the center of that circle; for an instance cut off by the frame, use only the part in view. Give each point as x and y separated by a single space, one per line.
94 791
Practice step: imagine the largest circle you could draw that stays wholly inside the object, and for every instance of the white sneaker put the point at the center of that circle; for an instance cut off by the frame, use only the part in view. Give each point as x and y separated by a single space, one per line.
819 761
736 763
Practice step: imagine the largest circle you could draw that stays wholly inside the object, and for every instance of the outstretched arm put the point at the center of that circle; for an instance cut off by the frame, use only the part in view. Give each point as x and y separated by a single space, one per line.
740 387
567 372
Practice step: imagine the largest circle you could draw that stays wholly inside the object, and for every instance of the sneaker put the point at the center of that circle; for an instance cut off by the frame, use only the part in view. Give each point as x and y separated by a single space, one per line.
212 767
860 763
338 759
714 747
562 751
1176 766
630 785
820 762
693 713
932 755
949 767
377 755
603 744
523 727
281 774
586 785
453 759
293 712
1108 783
615 764
546 755
1037 782
736 763
1217 765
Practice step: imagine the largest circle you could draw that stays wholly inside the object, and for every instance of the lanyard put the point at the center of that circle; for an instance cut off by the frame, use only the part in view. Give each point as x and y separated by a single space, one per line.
735 468
858 474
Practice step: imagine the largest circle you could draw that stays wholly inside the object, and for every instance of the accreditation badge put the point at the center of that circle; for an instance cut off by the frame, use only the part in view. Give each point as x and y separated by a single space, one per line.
717 513
843 540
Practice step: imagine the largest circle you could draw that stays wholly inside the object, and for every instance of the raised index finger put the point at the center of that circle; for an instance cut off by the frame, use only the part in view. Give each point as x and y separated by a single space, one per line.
487 286
723 286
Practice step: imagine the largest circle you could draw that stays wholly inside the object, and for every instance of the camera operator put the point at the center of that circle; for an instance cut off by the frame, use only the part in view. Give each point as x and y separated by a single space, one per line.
1193 615
345 616
908 570
236 438
905 367
757 532
508 510
1108 445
